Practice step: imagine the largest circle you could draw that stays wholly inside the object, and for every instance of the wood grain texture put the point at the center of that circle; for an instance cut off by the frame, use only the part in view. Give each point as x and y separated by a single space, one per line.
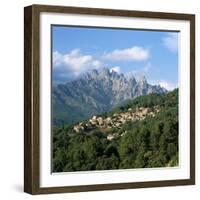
32 96
192 98
28 162
31 100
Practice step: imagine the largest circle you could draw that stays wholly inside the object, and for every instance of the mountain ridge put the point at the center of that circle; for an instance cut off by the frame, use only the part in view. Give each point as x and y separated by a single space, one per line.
96 92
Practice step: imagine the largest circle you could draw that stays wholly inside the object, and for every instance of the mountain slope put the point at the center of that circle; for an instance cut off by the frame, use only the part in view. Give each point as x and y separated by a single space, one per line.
148 140
94 93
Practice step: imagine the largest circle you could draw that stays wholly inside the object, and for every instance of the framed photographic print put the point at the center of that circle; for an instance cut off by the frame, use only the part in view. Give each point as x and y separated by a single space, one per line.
109 99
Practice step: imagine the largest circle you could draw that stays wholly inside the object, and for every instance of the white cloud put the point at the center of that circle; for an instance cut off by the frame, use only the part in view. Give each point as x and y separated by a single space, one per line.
72 64
115 69
73 60
97 64
167 85
171 42
139 72
163 83
135 53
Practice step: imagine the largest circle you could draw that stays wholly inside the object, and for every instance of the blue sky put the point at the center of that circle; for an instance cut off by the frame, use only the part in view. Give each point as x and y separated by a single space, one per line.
77 50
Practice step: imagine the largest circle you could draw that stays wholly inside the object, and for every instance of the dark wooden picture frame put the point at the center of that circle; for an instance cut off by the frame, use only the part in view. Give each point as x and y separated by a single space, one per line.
32 97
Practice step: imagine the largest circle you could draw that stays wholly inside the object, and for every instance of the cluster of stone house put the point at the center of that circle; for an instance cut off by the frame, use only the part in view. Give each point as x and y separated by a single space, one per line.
117 119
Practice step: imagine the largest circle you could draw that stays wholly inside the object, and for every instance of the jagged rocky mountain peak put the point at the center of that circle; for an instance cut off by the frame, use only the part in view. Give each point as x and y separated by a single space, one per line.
94 72
143 79
96 92
105 72
132 80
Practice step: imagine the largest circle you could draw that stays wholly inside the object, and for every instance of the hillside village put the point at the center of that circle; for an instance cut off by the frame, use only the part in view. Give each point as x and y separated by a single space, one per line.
116 120
141 133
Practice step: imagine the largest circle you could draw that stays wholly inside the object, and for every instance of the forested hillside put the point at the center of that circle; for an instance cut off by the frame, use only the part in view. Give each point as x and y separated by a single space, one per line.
146 137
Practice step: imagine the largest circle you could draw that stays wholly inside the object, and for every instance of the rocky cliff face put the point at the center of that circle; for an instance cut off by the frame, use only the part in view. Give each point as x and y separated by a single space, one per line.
94 93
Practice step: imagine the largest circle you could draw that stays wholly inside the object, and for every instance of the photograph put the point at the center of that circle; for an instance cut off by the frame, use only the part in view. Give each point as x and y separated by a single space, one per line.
109 99
114 98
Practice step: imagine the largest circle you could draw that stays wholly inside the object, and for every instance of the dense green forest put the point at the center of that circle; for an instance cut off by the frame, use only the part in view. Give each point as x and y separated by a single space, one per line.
147 143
